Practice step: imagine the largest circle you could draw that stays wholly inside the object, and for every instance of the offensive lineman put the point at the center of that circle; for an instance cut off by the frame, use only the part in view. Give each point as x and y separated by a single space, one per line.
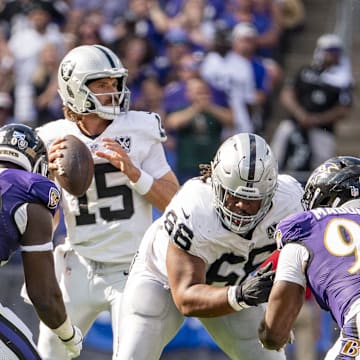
195 260
28 206
105 226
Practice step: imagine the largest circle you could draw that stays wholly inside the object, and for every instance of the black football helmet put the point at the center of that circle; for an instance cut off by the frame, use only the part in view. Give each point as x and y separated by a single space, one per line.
333 183
20 145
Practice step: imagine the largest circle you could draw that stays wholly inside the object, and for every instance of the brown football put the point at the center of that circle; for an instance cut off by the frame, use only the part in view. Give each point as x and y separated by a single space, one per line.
75 167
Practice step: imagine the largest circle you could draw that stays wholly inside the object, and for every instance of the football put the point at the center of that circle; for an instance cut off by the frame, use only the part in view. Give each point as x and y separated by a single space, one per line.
75 167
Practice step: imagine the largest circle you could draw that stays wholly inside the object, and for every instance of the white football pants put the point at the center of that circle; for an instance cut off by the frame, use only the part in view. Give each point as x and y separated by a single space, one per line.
150 319
88 288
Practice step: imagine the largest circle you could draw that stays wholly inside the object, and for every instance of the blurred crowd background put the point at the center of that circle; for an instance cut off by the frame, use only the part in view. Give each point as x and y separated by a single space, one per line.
210 68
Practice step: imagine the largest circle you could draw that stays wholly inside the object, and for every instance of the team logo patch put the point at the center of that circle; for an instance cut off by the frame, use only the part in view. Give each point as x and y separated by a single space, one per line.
124 141
54 198
350 347
270 231
67 69
19 139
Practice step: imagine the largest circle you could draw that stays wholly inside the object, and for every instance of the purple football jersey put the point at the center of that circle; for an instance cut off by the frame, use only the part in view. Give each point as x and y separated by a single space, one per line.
332 236
16 188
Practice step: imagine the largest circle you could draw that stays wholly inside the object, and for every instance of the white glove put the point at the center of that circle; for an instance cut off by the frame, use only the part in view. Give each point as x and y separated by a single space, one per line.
74 343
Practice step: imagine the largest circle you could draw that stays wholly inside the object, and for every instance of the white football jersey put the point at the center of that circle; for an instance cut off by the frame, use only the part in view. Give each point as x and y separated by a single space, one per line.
190 221
108 222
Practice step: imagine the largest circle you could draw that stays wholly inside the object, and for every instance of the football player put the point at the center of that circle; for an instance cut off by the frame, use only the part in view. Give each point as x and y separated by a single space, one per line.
320 249
197 259
28 206
105 226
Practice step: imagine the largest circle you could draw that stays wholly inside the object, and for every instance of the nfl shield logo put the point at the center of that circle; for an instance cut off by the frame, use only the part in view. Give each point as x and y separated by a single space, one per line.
354 191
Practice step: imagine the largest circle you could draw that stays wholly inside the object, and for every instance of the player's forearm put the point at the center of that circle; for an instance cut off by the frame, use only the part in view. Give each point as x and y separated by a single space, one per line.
162 191
51 311
271 340
203 300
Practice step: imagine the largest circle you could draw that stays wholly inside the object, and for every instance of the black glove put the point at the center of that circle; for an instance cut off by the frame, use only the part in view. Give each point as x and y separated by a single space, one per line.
256 289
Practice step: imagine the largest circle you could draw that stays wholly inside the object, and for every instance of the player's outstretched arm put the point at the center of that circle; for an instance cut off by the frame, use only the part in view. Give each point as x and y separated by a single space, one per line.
40 280
285 302
193 297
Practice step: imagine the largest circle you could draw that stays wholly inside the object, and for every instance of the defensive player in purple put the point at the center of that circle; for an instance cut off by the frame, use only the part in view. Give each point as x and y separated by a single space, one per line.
29 203
320 248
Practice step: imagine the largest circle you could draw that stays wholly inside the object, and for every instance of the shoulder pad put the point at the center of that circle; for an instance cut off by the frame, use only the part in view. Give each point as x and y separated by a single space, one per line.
293 228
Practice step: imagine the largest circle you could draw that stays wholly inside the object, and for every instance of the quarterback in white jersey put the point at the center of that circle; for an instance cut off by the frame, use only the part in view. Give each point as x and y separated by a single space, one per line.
104 226
107 223
198 258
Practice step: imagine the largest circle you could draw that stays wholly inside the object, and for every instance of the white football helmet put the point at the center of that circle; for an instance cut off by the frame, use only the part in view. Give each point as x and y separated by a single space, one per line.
244 167
90 62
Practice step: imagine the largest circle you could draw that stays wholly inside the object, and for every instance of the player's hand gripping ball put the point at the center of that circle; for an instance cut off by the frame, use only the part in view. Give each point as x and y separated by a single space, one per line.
75 167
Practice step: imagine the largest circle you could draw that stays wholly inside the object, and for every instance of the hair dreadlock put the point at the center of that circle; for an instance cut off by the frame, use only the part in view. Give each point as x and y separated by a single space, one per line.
205 172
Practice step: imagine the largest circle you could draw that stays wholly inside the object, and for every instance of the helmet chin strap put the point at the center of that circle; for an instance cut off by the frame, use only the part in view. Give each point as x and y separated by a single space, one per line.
106 116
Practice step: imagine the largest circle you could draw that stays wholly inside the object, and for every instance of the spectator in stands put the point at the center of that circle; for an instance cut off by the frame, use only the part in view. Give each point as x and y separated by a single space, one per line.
265 15
233 73
13 14
151 98
45 86
26 45
7 62
317 99
88 33
176 95
237 11
293 22
109 9
267 72
198 126
175 92
70 30
6 104
267 18
96 19
177 43
244 44
137 20
192 18
135 53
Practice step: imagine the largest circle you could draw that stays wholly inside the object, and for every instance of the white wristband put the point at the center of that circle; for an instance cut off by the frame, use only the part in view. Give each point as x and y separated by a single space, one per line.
231 298
144 183
65 330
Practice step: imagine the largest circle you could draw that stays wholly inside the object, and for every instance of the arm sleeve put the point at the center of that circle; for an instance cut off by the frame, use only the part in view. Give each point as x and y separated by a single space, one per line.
155 163
291 264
